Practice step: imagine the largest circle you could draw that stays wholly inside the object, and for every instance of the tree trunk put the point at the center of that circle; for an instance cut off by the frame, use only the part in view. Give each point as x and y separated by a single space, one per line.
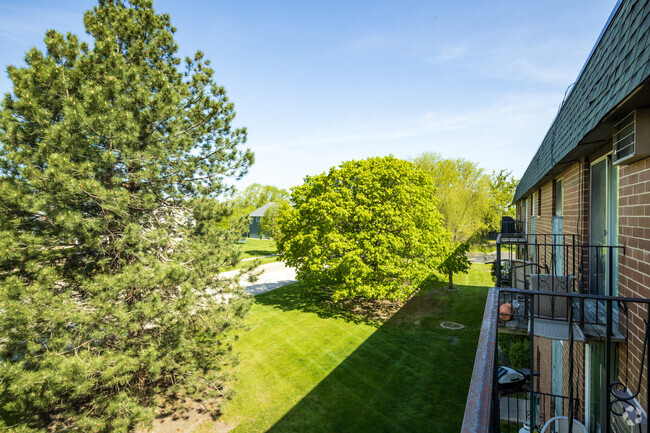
451 280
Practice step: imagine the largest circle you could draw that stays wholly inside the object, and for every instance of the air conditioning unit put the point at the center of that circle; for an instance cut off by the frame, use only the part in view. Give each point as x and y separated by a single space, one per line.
632 137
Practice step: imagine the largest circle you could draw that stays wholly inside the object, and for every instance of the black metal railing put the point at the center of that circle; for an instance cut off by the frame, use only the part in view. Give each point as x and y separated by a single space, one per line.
559 263
512 227
622 381
515 409
482 398
559 288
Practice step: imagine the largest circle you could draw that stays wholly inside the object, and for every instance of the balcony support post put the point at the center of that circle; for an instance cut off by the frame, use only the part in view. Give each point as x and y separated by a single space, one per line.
608 342
532 363
571 337
498 264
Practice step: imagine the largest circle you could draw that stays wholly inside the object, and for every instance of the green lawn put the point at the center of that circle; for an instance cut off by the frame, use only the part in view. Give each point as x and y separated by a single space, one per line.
485 246
257 248
265 249
308 366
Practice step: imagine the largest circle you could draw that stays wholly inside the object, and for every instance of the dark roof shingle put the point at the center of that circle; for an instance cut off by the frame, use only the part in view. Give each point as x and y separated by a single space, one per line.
619 63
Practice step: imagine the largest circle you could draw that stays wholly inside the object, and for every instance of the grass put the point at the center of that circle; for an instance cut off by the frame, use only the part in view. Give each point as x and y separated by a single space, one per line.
484 246
257 248
264 249
310 366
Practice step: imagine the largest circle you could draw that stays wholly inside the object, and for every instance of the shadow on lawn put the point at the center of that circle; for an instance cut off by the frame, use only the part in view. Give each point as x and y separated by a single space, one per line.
410 375
257 253
317 299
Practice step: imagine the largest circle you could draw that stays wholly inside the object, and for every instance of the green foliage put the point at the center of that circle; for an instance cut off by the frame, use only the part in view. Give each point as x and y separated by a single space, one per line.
463 192
366 228
246 201
506 340
505 273
493 271
349 373
269 223
257 195
502 192
456 262
238 219
470 201
519 355
111 158
516 348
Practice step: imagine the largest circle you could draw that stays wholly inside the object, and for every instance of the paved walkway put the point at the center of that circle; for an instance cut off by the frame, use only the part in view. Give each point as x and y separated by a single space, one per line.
274 275
482 257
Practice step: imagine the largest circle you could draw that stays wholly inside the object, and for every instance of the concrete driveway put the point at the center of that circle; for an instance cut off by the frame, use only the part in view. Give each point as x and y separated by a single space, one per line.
274 275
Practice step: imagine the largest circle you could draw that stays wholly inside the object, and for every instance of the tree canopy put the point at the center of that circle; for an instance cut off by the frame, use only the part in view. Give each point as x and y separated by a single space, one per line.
269 222
257 195
111 156
456 262
367 228
471 200
502 192
463 191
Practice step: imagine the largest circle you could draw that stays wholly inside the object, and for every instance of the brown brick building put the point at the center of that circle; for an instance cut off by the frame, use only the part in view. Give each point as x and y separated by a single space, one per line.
588 187
583 234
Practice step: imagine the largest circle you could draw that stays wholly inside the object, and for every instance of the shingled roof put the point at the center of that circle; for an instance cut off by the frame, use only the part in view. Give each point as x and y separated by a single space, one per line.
260 211
618 64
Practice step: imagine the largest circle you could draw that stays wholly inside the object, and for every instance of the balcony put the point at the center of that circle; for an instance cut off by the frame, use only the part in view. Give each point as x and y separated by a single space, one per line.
588 346
557 264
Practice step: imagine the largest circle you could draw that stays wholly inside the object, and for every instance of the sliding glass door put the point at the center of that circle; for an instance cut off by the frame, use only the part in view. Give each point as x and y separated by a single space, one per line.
603 225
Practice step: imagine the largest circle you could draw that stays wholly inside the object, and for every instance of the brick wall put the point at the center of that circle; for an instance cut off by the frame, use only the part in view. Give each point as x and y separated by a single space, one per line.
543 364
578 376
575 205
575 213
634 265
543 359
576 199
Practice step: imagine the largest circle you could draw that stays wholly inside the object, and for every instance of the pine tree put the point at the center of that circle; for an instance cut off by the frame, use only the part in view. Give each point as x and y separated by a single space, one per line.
111 156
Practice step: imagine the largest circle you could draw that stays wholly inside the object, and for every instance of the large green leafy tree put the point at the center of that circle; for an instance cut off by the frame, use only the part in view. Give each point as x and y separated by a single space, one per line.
269 222
257 195
456 262
502 192
111 156
463 191
367 228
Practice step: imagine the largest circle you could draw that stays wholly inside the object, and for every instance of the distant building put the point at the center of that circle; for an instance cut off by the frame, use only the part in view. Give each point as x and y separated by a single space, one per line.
256 216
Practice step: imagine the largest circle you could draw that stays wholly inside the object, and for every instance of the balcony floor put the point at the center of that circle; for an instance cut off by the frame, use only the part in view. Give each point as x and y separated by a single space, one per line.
557 328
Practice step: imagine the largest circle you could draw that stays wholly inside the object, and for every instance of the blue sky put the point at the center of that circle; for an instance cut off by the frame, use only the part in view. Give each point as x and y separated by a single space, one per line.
318 83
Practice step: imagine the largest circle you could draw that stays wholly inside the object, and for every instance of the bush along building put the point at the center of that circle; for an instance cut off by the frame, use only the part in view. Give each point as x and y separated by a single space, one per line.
573 270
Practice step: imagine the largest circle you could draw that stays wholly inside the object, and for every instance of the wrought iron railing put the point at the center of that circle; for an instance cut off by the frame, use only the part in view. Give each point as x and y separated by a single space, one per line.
625 383
559 263
554 286
515 409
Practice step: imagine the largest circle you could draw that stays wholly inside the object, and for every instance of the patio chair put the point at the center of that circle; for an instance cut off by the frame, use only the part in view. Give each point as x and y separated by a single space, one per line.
554 307
560 424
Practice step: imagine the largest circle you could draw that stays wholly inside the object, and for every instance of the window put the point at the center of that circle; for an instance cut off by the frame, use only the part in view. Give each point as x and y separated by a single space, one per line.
532 205
539 202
